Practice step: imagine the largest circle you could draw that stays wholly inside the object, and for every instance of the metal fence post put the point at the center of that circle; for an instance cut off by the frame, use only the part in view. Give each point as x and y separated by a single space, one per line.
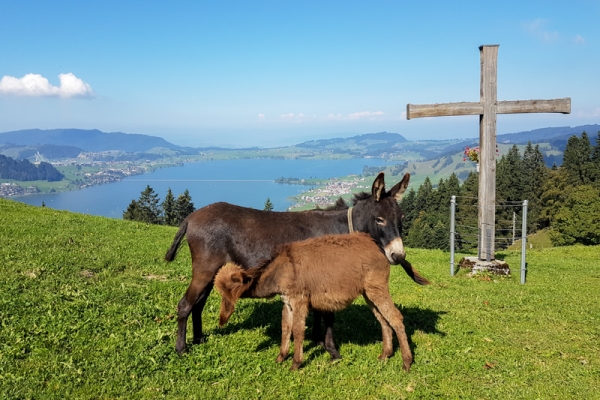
524 243
452 233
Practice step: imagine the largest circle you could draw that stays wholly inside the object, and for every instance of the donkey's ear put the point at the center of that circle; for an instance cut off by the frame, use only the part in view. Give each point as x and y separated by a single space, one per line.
378 188
400 187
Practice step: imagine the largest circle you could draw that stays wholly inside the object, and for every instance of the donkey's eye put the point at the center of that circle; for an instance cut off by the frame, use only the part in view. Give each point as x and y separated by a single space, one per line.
380 221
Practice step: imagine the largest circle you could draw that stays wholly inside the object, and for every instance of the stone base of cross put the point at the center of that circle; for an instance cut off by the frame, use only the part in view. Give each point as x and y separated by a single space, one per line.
487 108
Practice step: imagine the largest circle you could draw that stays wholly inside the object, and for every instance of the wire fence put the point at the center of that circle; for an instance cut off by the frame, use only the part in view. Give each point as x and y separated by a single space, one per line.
467 233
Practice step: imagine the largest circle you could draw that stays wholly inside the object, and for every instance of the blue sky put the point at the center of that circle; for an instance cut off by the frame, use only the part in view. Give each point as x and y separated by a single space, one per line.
270 73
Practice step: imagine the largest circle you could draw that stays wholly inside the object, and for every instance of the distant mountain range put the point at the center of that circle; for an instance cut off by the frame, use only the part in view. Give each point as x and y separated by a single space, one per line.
57 143
86 140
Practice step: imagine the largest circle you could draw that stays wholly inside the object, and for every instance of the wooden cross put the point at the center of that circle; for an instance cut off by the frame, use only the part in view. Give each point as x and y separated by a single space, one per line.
487 108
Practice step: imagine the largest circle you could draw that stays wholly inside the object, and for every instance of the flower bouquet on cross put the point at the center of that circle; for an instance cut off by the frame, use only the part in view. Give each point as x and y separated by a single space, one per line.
471 153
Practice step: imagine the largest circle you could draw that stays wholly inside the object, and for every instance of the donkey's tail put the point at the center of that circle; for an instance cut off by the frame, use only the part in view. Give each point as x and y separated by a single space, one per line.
413 273
172 252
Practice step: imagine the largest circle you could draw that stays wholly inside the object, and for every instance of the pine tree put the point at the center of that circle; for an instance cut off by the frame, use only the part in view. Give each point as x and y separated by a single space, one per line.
183 207
408 207
535 175
577 159
595 163
268 205
509 192
424 198
168 206
132 212
147 207
466 213
554 194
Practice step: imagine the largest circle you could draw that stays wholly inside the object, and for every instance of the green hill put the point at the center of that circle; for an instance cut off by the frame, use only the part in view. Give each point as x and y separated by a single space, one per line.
87 310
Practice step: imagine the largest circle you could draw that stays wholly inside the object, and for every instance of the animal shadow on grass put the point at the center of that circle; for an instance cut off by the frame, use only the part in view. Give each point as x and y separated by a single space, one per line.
355 324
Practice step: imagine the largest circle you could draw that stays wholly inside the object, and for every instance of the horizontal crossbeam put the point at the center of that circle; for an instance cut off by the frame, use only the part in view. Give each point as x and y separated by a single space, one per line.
562 106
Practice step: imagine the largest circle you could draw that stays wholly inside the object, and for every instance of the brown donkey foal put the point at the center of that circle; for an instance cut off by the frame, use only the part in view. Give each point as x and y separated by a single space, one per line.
325 273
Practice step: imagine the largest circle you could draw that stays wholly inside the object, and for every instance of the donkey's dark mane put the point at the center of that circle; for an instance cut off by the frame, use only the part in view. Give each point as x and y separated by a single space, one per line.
360 196
341 204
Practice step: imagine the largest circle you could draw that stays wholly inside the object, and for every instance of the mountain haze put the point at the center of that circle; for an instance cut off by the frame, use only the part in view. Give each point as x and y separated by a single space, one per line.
87 140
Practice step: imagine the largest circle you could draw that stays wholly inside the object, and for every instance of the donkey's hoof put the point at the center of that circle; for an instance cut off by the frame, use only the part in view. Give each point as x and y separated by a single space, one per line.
200 340
180 347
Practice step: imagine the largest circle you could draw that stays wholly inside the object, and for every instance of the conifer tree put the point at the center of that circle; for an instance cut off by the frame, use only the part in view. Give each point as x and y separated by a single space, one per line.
183 206
577 159
408 206
466 213
595 163
132 212
147 207
534 179
168 206
268 205
509 193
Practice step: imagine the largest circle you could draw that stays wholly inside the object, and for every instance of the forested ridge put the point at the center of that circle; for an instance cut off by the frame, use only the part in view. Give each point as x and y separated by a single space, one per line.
23 170
564 200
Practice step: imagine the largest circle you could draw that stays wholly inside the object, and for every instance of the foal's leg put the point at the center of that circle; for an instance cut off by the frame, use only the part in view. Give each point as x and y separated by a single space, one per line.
194 299
386 331
299 320
286 330
384 303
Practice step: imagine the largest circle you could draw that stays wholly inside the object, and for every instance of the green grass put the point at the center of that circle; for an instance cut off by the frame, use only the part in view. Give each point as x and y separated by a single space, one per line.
537 240
87 310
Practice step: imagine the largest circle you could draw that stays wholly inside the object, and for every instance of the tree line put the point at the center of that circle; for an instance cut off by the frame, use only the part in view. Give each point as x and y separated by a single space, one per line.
564 200
171 211
24 170
148 208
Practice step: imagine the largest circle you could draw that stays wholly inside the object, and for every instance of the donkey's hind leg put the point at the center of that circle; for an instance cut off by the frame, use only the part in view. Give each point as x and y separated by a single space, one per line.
193 302
329 344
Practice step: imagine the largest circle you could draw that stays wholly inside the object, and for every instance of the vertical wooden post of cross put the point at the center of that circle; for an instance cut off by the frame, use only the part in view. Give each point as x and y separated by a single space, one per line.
487 108
487 151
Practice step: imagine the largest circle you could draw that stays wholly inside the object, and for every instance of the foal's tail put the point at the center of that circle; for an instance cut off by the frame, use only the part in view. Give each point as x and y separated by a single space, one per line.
413 273
172 252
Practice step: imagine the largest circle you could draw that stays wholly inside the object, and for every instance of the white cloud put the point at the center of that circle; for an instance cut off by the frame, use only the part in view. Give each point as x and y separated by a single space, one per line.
537 28
35 85
365 114
292 117
334 117
262 117
578 39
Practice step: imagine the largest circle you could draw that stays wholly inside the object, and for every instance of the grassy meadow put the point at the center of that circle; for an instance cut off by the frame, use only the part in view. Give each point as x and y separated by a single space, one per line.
87 310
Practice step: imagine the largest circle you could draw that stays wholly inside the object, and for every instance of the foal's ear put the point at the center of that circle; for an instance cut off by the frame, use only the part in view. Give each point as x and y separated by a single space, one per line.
237 277
378 188
227 308
400 187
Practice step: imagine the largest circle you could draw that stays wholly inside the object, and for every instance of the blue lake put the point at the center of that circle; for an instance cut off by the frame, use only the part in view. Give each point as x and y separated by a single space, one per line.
247 182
